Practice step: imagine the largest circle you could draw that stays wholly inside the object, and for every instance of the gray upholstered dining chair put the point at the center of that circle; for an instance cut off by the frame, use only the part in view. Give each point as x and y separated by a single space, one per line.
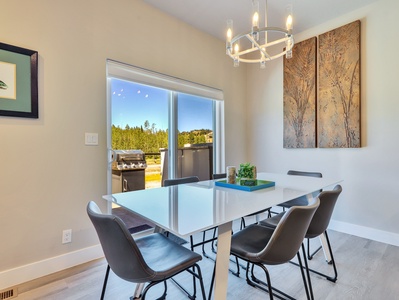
317 226
149 259
300 200
260 246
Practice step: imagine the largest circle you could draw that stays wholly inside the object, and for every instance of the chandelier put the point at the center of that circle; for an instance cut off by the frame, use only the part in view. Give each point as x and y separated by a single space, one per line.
256 46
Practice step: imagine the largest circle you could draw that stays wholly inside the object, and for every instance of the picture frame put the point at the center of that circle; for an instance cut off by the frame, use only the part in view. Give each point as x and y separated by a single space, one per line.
18 82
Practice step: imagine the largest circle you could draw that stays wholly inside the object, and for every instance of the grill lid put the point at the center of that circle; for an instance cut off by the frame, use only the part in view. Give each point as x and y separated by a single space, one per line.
128 159
128 155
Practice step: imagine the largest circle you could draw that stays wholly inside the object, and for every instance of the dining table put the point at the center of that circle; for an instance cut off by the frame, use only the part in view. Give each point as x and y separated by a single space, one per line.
187 209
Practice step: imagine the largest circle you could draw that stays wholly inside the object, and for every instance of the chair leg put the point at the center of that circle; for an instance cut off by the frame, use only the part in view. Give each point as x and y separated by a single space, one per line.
310 256
238 268
269 284
213 242
255 282
212 281
144 294
105 282
332 279
242 225
309 284
195 275
203 245
201 280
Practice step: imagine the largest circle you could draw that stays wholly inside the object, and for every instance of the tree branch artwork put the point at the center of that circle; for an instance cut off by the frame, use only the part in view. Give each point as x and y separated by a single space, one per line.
339 87
300 96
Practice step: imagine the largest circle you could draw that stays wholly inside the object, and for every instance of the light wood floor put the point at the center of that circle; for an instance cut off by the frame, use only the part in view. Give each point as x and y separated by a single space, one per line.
366 270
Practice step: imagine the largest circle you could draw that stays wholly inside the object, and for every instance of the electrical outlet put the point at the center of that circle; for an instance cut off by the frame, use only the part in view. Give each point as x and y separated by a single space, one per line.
67 236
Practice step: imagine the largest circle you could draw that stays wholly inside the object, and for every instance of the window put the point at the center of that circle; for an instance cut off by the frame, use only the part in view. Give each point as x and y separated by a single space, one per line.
173 121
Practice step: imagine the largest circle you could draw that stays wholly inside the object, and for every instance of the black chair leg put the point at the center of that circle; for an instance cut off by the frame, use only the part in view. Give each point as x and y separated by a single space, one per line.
105 282
330 278
212 281
257 283
213 242
242 225
310 256
203 245
147 288
307 274
201 280
332 259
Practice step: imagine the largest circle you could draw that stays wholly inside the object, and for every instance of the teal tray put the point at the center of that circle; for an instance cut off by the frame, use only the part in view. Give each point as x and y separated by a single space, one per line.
260 184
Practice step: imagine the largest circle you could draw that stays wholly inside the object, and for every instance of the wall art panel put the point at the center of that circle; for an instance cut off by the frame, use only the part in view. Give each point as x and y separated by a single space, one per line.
339 87
300 96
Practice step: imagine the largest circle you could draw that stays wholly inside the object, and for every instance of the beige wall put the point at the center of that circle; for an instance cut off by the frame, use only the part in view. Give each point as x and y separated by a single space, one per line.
47 173
368 205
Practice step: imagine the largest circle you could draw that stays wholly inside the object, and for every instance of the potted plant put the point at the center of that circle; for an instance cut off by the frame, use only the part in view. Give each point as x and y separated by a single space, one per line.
247 174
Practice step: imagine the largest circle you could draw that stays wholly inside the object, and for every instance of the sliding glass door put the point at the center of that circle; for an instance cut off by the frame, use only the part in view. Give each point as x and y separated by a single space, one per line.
180 133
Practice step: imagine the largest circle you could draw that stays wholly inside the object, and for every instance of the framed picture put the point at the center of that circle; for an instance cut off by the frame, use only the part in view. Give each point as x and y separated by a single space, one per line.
300 96
18 82
339 87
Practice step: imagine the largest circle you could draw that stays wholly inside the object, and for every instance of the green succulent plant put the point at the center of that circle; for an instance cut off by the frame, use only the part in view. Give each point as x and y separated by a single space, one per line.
246 170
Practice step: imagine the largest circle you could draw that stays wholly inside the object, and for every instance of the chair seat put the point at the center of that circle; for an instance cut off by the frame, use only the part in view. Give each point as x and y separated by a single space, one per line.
272 221
301 201
164 256
250 240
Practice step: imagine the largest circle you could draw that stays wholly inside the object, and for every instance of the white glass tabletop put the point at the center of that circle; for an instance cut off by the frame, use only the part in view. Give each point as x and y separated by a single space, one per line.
189 208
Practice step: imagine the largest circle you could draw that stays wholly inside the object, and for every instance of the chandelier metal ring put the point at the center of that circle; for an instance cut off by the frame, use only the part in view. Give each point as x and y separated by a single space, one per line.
248 55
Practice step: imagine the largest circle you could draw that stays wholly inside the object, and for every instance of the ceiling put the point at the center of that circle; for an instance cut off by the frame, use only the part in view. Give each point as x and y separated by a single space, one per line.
210 15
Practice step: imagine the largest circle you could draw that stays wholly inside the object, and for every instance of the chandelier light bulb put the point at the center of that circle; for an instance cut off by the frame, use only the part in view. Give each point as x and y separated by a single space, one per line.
255 20
229 33
236 48
289 23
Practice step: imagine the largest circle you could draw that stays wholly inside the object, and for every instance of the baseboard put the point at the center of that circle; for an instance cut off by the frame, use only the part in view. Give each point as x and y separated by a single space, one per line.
22 274
366 232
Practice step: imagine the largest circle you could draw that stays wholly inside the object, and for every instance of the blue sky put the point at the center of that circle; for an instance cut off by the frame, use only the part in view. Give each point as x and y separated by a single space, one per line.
133 104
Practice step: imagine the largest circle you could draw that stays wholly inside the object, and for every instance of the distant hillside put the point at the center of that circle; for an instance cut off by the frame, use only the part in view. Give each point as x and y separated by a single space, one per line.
150 139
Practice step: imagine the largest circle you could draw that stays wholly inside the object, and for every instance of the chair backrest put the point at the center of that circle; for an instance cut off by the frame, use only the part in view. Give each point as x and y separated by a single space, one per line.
288 235
303 173
219 176
120 249
190 179
322 216
309 174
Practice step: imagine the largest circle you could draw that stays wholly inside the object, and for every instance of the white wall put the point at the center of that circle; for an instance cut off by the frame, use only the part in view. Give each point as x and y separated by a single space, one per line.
369 204
47 173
